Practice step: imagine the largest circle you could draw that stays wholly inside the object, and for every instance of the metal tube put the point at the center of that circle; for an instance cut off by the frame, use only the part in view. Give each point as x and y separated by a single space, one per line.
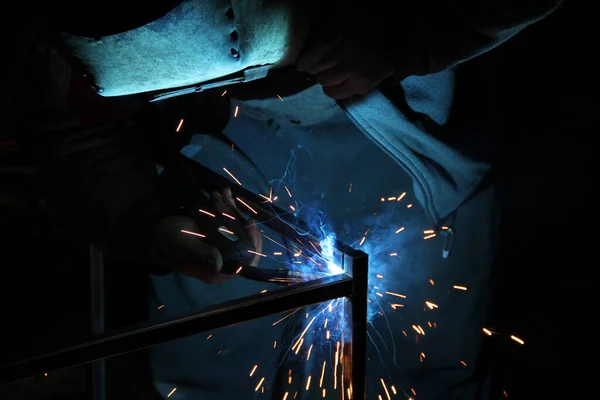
360 280
219 316
98 369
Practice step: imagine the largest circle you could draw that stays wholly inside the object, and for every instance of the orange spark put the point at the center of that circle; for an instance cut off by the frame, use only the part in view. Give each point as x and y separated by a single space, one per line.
516 339
309 350
386 390
253 370
206 212
287 316
193 233
257 253
431 305
244 203
233 177
396 294
259 384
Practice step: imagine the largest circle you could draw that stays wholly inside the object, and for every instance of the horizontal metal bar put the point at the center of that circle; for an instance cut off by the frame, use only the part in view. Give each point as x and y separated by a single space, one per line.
220 316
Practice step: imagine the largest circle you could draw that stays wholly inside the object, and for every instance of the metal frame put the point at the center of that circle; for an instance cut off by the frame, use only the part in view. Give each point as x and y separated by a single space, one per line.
97 370
351 284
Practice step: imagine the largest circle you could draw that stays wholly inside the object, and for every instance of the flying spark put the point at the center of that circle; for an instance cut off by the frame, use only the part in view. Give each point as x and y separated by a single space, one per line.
232 176
193 233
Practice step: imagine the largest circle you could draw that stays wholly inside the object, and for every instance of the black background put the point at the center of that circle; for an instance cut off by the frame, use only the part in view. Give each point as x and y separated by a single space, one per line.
546 267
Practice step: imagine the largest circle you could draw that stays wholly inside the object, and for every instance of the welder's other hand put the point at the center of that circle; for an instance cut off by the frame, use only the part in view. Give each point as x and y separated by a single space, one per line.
176 244
345 65
223 202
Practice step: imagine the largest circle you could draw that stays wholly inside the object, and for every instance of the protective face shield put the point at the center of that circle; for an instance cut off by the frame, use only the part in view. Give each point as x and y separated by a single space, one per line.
199 44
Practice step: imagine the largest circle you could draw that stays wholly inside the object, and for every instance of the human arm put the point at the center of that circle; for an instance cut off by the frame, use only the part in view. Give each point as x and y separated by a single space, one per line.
353 50
103 183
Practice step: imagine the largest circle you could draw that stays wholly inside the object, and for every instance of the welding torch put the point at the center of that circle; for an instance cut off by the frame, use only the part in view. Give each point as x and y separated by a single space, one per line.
233 239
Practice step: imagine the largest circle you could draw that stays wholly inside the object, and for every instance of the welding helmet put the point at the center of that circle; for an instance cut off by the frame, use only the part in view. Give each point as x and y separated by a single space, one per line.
187 46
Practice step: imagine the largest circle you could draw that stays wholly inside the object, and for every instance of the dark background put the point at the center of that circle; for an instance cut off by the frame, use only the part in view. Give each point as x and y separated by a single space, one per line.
545 268
545 91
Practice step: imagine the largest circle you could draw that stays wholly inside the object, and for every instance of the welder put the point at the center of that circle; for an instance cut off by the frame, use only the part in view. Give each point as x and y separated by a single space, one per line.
395 73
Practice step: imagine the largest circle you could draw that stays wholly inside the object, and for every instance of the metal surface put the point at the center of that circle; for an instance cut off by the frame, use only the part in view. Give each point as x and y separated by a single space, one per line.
248 75
98 368
353 284
222 315
358 301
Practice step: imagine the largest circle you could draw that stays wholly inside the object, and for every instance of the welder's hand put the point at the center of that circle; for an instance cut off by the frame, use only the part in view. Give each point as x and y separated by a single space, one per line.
223 202
345 63
175 245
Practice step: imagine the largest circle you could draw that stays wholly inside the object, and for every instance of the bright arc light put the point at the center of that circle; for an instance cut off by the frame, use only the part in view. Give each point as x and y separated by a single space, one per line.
327 250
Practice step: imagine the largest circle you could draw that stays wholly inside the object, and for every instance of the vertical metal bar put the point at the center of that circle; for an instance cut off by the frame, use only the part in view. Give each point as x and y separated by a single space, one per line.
360 280
98 378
